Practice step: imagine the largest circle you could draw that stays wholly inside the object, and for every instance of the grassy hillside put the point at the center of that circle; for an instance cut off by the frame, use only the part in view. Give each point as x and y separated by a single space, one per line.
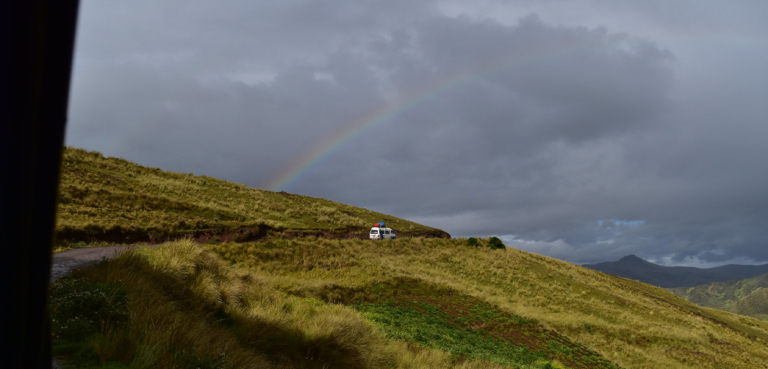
627 322
272 280
409 303
746 297
113 200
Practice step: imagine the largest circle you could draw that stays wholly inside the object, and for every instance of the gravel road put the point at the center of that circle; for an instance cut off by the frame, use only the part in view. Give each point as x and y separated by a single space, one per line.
66 261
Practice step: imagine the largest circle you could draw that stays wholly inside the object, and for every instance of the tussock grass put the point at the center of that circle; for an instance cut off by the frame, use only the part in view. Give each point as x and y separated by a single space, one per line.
114 200
632 324
187 309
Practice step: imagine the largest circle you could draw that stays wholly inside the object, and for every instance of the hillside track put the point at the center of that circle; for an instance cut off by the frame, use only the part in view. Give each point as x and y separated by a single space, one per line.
66 261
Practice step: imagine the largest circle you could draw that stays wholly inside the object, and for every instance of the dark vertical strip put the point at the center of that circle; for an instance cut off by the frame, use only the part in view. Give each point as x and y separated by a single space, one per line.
36 46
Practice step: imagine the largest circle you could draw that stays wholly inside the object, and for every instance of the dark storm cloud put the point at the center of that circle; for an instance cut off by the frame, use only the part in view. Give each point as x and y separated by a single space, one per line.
577 141
499 130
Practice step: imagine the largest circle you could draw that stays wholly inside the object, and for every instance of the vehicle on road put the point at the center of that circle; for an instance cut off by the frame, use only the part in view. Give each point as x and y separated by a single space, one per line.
380 232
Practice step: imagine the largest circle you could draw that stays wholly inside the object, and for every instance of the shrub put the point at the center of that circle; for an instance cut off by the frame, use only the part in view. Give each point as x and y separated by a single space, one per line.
496 244
472 241
80 308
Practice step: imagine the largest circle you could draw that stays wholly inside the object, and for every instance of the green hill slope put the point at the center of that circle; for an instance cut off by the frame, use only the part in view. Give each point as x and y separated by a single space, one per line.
746 296
626 322
113 200
408 303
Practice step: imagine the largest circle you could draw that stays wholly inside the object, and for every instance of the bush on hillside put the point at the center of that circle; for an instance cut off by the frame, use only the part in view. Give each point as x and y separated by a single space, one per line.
472 241
80 308
496 244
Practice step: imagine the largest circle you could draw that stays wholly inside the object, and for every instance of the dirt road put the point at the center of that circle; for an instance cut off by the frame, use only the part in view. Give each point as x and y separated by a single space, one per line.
66 261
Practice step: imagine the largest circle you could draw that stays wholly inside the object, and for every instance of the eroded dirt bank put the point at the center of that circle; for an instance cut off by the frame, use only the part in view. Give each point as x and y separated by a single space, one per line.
244 234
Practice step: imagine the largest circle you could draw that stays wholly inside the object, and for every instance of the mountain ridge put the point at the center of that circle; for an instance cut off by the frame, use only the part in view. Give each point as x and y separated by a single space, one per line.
634 267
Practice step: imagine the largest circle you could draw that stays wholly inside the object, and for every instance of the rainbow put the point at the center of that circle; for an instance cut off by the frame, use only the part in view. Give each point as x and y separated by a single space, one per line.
400 104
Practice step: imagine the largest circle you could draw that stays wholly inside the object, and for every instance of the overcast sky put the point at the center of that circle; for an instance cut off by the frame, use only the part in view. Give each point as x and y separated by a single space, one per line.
584 130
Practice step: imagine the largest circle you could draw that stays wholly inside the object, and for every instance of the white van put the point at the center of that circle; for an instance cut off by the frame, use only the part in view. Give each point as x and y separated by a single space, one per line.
380 233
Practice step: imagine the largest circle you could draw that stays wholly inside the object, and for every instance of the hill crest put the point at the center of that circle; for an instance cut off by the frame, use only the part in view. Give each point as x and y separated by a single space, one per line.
113 200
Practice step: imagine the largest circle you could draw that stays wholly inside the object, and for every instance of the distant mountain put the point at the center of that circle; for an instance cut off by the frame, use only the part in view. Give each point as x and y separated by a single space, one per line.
745 296
633 267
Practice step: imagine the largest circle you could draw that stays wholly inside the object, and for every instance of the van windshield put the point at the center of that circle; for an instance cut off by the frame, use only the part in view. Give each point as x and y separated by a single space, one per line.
373 231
